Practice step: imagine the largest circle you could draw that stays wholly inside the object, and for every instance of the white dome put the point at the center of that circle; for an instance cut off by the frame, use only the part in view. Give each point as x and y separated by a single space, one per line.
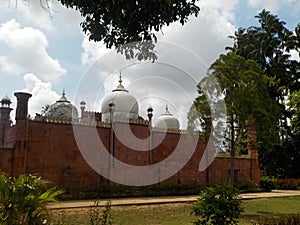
62 109
125 105
167 121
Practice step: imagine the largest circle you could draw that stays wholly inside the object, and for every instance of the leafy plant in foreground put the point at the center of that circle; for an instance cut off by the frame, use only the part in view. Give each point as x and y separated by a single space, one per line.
23 200
217 206
101 218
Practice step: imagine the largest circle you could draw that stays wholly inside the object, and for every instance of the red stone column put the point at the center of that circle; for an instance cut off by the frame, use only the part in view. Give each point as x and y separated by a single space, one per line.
5 123
20 152
252 151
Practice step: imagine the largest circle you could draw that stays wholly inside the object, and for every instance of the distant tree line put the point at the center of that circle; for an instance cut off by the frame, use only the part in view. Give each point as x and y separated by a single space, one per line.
260 82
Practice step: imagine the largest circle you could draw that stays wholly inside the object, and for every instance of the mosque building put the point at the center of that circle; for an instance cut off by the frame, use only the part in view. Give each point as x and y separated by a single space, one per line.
51 144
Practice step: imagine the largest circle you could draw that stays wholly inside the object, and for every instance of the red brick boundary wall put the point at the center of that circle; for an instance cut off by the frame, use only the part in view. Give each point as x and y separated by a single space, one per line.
48 148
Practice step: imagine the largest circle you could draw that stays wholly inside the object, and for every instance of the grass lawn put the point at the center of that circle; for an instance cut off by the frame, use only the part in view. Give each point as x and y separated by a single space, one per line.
179 214
269 207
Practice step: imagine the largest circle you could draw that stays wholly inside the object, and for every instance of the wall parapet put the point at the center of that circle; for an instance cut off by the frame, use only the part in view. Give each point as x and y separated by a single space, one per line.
45 119
227 155
169 130
40 118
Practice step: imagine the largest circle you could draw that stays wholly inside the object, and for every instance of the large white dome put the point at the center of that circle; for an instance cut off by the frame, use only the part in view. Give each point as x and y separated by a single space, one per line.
166 121
62 109
125 104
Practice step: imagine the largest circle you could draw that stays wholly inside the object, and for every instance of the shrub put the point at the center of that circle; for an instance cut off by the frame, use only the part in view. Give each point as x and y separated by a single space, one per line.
218 206
101 218
112 191
268 183
23 200
288 184
246 186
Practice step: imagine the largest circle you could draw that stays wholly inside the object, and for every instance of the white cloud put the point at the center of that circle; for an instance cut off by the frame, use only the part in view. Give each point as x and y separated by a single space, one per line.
295 55
92 51
42 93
207 34
224 10
271 5
26 52
37 13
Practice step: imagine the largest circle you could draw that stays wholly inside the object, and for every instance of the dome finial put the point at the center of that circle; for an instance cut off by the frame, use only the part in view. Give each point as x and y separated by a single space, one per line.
120 87
120 78
63 97
167 110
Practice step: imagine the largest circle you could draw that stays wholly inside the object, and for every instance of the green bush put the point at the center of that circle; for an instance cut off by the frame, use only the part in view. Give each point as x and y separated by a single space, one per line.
268 183
23 200
99 217
217 206
246 186
288 184
116 191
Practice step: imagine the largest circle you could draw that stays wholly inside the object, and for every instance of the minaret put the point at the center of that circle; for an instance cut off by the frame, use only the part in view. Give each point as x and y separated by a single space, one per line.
19 162
22 105
82 108
5 121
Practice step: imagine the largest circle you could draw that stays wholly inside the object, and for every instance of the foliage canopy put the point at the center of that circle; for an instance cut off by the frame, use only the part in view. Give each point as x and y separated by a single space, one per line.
247 100
270 45
130 25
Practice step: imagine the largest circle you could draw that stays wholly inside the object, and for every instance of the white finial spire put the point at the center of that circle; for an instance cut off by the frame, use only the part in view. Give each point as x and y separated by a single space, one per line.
167 111
63 97
120 87
120 78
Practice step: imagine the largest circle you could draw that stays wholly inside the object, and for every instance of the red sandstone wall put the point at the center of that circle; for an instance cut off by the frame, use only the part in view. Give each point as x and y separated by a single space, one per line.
6 160
52 152
10 135
219 170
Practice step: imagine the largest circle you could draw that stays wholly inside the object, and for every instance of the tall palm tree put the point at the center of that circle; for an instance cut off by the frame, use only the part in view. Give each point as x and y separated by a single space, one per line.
24 200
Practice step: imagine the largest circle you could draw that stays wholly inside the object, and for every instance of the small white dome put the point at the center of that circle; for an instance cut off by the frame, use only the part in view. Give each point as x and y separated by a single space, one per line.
125 104
167 121
6 99
62 109
5 102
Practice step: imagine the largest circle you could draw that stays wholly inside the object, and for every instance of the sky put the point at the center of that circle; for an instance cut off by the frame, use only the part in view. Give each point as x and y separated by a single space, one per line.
45 52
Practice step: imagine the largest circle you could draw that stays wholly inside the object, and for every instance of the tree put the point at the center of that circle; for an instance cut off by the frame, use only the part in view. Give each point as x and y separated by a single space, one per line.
44 109
217 206
23 200
288 154
199 115
247 100
130 25
294 103
270 45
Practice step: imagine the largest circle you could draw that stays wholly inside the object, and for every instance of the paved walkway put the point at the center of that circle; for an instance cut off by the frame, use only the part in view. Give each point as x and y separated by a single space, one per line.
164 200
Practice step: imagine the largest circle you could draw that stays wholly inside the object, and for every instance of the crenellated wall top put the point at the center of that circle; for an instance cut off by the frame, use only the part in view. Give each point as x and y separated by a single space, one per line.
45 119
